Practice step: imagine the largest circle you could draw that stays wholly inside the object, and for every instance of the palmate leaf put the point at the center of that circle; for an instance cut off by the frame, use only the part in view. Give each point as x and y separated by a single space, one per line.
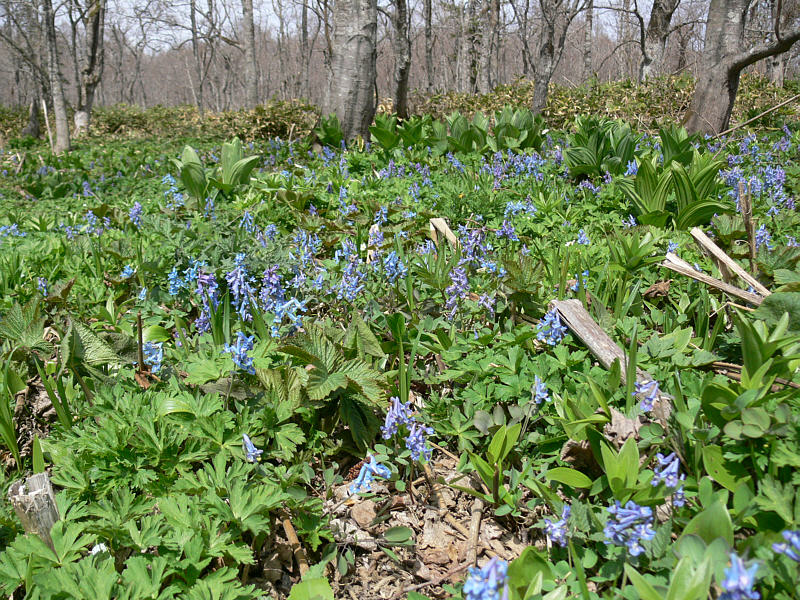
322 384
89 348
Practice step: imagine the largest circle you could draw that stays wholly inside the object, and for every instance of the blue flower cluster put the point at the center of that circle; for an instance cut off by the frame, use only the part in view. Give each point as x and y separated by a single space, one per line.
288 310
393 267
173 197
557 530
251 453
153 355
11 230
540 393
239 352
739 580
668 472
550 329
583 239
240 285
650 391
127 272
42 285
488 583
369 470
507 230
135 214
352 276
763 238
399 414
208 290
791 547
458 290
629 526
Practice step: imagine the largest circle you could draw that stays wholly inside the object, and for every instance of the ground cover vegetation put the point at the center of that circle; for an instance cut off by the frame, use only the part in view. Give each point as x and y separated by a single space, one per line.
251 372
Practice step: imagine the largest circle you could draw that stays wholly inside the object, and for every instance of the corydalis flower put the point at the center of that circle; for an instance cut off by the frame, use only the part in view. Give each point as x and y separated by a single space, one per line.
739 580
42 285
459 289
135 214
550 329
369 470
540 393
239 352
668 472
488 583
153 355
583 239
557 530
629 526
650 391
127 272
239 283
791 547
399 414
417 441
251 453
763 238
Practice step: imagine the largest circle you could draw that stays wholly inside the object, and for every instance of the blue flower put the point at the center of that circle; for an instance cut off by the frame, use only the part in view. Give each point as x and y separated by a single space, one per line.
672 247
288 310
127 272
135 214
398 414
557 530
629 526
175 282
239 352
540 393
507 230
394 267
583 239
631 222
239 283
763 238
650 391
632 169
458 290
791 547
369 470
417 441
550 328
251 453
41 285
153 355
739 580
488 583
668 471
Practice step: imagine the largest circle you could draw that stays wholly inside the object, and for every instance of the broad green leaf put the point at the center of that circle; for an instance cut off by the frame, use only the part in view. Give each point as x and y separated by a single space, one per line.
567 476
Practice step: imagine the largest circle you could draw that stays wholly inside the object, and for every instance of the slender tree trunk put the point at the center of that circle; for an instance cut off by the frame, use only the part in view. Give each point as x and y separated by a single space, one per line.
250 65
402 57
489 22
197 88
545 65
428 17
32 128
304 49
587 41
62 143
655 37
351 85
725 55
92 69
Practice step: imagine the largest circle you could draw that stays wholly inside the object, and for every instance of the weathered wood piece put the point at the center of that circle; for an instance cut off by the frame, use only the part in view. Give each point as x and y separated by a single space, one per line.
606 350
719 256
677 264
440 227
35 504
590 333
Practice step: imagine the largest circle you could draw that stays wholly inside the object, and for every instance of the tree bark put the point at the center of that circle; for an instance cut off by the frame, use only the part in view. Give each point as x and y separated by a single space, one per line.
725 55
428 17
62 143
655 37
92 69
402 57
250 65
588 41
557 15
488 34
32 128
351 85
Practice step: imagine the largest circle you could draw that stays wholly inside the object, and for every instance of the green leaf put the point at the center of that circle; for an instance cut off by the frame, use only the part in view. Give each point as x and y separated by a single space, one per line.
312 589
567 476
643 587
399 535
689 582
712 523
727 473
776 305
38 457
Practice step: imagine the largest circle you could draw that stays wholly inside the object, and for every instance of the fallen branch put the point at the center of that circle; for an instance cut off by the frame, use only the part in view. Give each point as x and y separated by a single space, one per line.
35 504
440 227
677 264
757 117
719 256
294 542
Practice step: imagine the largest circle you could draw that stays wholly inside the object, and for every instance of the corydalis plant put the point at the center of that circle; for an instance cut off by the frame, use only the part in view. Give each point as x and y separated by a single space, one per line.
399 415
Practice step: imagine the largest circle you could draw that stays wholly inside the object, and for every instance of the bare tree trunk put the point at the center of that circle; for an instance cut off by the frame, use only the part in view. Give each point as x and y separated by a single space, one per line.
587 40
92 69
250 65
59 104
490 24
197 89
428 16
655 37
351 85
304 49
402 57
32 128
725 55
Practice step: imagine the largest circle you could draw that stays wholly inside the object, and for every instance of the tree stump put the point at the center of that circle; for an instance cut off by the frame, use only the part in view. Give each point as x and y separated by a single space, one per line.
35 504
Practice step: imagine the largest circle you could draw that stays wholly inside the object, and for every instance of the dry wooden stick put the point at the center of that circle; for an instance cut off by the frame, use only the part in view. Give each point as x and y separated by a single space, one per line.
746 208
440 226
438 581
35 504
475 531
677 264
294 542
706 243
757 117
